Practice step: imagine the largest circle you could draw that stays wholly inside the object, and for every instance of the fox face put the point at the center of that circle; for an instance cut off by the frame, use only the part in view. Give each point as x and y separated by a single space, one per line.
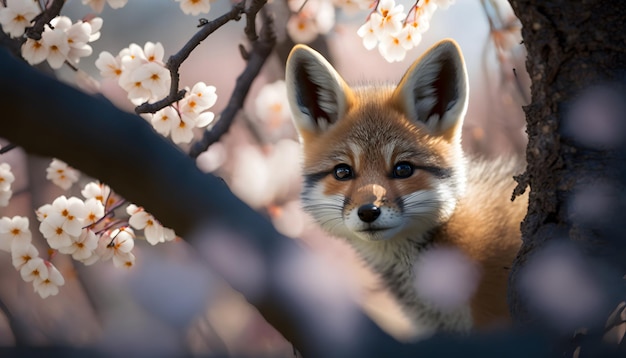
381 163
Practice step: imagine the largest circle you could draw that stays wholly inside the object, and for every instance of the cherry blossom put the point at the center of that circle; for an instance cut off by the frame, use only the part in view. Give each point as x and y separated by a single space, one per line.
164 120
201 97
35 268
152 229
109 66
182 131
154 52
22 253
100 192
63 221
49 285
302 28
98 5
78 36
6 179
195 7
58 47
352 6
369 35
309 19
153 77
82 247
13 229
443 4
94 211
394 47
139 71
388 19
62 174
118 243
34 51
272 105
17 15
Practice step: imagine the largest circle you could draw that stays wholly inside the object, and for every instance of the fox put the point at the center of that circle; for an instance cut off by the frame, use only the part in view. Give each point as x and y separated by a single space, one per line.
383 168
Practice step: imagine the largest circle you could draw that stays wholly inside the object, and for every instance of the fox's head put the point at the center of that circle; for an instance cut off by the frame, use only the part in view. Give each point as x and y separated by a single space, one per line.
380 162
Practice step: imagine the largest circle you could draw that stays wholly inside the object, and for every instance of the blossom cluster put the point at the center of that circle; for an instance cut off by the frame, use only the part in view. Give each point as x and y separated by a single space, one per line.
85 229
62 42
387 27
394 31
142 73
16 238
179 119
139 71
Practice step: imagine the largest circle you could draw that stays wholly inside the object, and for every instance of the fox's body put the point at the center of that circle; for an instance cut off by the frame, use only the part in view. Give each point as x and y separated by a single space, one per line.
384 169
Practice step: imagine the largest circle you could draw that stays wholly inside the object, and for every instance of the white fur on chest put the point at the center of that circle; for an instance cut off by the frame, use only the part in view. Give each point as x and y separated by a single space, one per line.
395 262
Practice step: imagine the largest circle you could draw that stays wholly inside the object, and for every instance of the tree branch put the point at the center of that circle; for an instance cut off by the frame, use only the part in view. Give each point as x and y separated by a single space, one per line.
175 61
34 32
261 49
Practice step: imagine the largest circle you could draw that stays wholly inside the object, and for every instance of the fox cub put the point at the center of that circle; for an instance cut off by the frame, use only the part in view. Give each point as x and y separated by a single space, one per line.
384 169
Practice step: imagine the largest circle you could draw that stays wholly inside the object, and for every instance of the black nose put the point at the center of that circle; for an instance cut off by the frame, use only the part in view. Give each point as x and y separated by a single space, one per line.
368 212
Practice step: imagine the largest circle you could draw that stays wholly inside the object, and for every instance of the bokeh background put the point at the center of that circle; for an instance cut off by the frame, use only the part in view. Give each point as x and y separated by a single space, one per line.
170 302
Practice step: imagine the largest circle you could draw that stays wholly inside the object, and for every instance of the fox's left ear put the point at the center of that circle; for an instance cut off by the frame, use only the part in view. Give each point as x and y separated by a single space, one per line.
434 90
318 96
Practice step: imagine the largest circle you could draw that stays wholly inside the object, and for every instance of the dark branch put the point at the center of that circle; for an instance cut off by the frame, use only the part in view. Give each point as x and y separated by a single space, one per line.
251 13
176 60
7 148
34 32
261 49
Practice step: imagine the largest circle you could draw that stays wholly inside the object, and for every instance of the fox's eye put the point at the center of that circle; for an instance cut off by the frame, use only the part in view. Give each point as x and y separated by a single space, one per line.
343 172
402 170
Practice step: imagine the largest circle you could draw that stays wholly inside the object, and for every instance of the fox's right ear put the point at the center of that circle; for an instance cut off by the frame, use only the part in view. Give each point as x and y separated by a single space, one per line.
318 96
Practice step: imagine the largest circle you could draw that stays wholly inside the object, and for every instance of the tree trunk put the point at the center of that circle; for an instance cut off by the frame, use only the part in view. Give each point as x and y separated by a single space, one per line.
576 52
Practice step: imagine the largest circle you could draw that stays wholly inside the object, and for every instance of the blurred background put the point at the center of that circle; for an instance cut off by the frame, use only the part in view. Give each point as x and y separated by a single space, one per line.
170 303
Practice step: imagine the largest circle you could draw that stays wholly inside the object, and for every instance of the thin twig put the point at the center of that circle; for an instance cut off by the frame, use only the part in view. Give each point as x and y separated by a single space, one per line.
174 61
7 148
261 49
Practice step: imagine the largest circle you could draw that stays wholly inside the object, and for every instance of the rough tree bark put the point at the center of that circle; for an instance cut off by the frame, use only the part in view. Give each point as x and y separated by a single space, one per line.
572 46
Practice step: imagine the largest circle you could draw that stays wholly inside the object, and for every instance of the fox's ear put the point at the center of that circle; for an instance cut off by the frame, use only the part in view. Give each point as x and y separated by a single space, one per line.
434 90
318 96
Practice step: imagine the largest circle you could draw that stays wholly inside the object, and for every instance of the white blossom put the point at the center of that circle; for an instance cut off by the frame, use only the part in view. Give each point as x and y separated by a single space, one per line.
98 5
49 286
153 230
22 253
82 246
195 7
17 15
6 179
58 47
62 174
164 120
272 105
34 268
34 51
13 229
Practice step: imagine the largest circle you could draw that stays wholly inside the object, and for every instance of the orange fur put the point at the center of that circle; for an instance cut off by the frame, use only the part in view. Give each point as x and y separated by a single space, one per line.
384 169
